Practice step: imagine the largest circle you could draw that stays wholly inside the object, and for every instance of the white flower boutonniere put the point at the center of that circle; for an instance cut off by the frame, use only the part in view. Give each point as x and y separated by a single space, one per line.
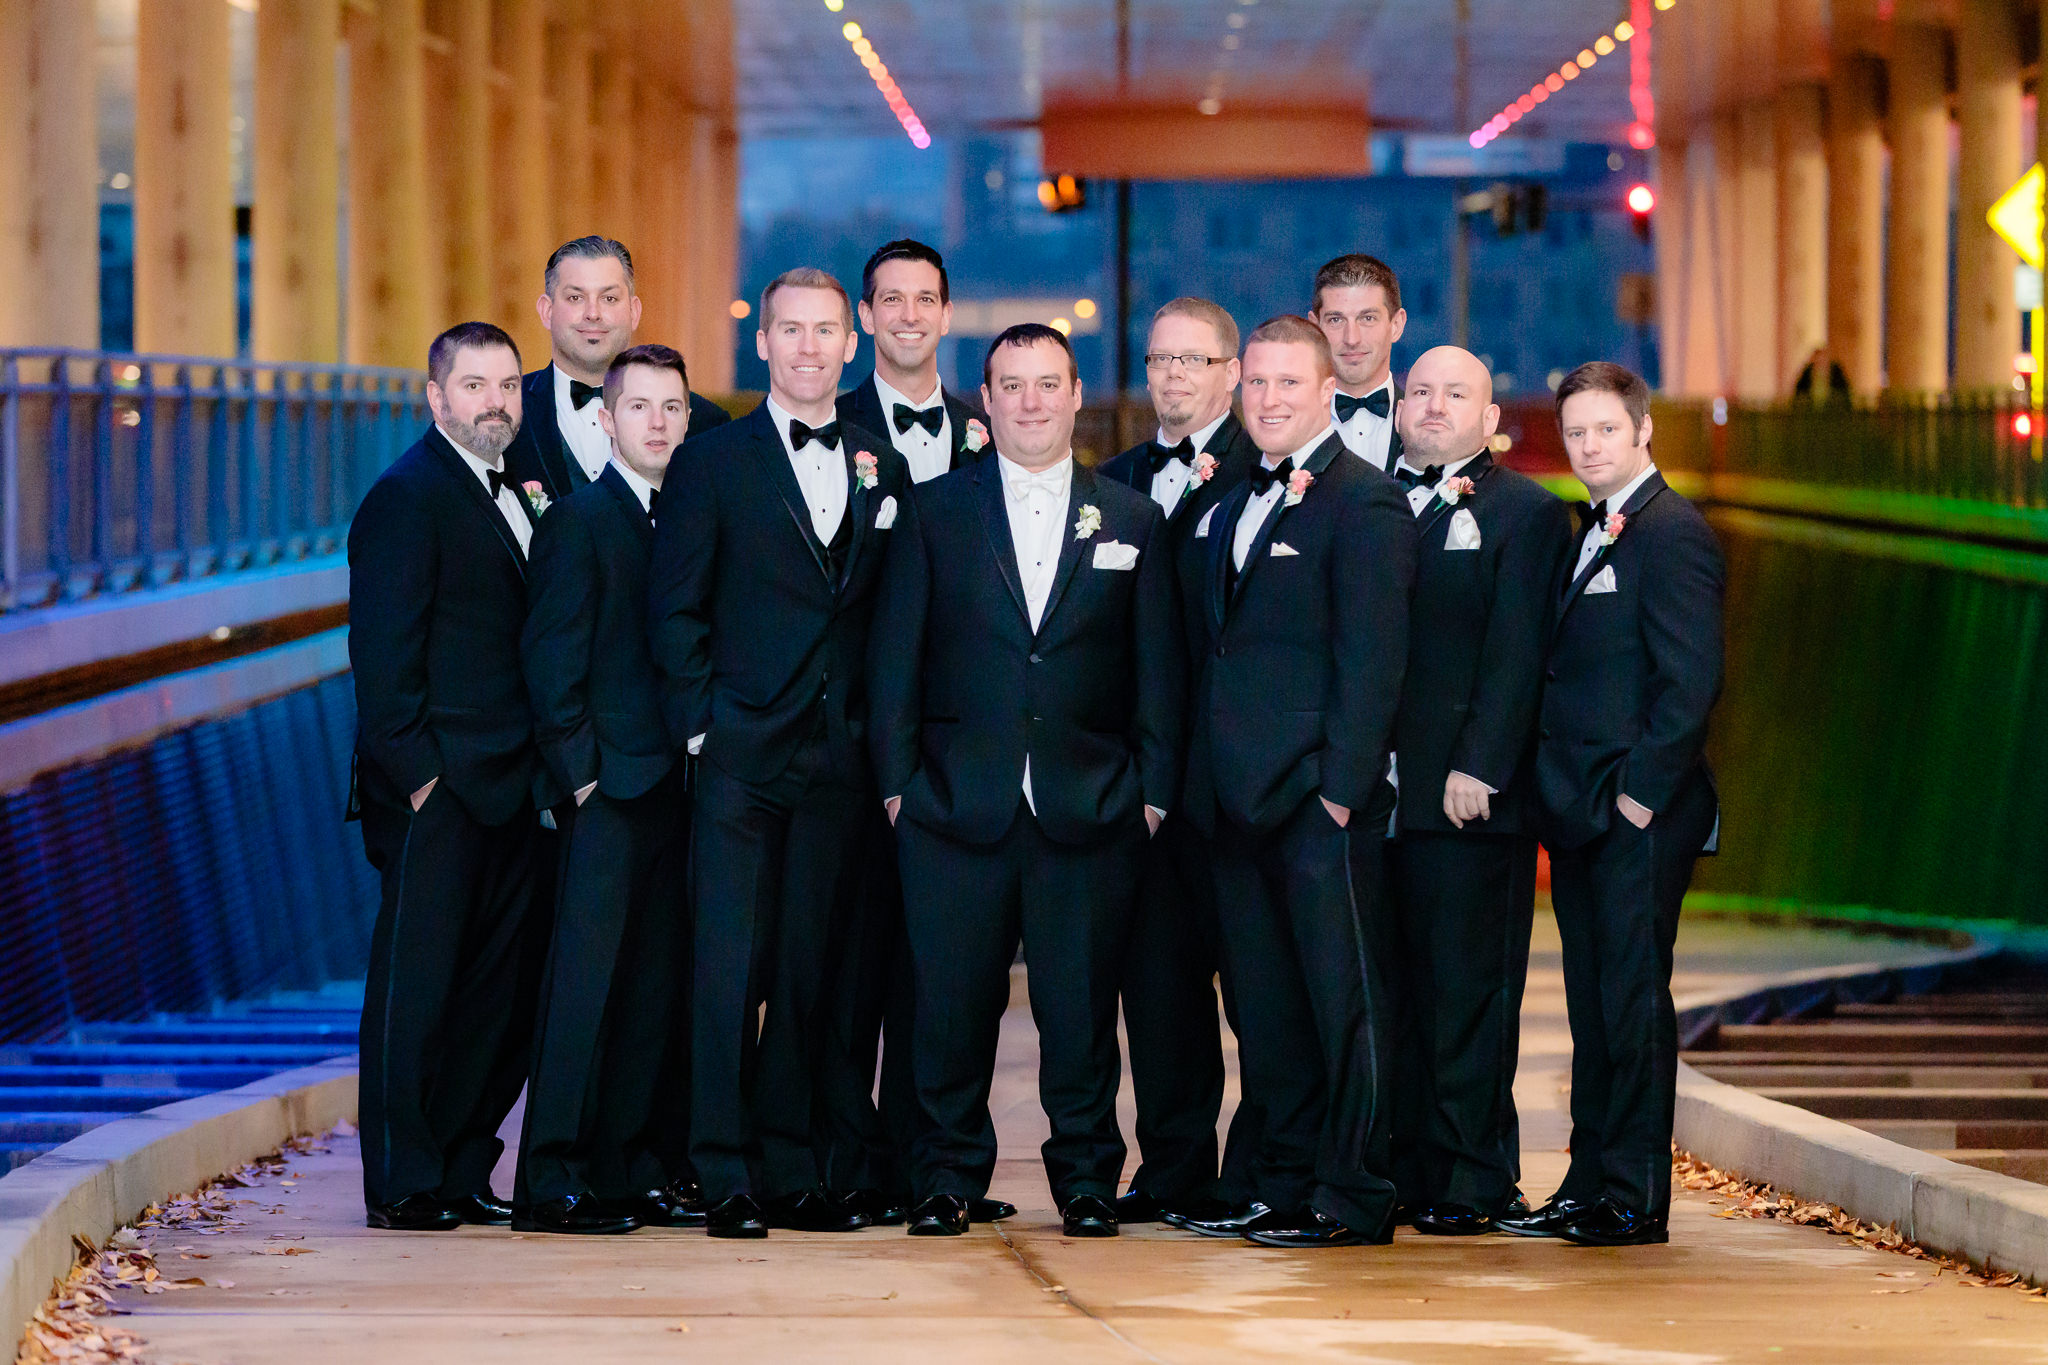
1297 484
977 435
1454 488
1088 523
1204 467
536 497
1611 530
864 469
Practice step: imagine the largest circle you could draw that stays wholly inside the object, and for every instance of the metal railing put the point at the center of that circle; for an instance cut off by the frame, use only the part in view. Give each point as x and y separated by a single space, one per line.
127 471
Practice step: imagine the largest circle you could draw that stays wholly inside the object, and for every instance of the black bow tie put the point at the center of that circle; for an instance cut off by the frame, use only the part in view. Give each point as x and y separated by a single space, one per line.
1157 455
653 502
801 435
1428 478
1379 402
931 418
1590 514
581 393
1262 479
497 481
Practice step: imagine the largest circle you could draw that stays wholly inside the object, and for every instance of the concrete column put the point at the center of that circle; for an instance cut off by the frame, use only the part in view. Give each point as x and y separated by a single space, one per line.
1856 220
1988 116
1669 225
296 271
523 206
1722 178
615 159
1802 185
184 180
714 261
390 274
1757 364
574 152
1916 277
661 185
49 175
465 186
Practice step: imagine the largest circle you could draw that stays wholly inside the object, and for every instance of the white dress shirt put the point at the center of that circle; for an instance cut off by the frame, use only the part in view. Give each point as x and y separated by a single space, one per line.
928 456
820 473
642 489
1037 504
1422 494
1176 476
1367 436
510 500
582 433
1590 546
1260 505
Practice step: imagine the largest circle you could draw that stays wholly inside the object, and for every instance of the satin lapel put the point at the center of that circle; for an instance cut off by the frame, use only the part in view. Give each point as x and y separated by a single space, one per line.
768 448
1222 536
479 497
856 508
1650 489
547 433
995 521
1080 491
1476 471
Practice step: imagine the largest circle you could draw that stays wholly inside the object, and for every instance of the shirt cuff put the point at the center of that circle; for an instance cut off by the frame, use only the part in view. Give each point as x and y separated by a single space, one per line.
696 744
1490 791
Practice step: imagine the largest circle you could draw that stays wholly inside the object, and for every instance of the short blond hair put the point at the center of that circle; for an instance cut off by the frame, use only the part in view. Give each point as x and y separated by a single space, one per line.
1203 310
1294 327
803 277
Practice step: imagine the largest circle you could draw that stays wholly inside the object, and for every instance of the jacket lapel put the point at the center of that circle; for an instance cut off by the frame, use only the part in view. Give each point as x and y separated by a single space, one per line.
1080 491
995 522
479 497
547 434
1480 466
629 502
958 415
856 508
1222 537
1315 465
1651 487
769 449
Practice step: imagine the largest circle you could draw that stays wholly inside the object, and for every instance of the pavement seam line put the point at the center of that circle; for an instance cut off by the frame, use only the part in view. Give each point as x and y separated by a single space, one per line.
1060 1291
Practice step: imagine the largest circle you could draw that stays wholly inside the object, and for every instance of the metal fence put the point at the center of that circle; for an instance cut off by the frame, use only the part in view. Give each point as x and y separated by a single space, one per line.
125 471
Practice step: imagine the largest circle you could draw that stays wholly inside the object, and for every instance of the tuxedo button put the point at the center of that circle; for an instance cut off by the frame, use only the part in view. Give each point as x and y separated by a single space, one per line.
1221 651
1035 659
1551 674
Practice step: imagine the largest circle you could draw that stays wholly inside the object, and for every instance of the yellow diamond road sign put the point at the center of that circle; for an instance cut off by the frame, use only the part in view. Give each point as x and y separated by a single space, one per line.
2017 217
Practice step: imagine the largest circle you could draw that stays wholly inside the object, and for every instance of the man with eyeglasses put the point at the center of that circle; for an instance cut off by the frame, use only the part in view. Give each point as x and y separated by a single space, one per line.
1167 978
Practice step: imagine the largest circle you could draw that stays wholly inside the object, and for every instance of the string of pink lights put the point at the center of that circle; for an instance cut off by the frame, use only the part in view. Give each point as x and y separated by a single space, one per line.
913 127
1633 31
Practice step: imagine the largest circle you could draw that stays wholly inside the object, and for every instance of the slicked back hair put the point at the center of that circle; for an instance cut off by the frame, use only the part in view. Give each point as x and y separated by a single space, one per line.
653 357
441 353
1029 334
1354 271
1604 376
1202 310
903 249
1294 327
592 248
803 277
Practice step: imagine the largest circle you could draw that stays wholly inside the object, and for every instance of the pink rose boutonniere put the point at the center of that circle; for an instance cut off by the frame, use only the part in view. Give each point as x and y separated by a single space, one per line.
1454 488
1204 467
536 496
1611 529
1297 484
864 468
977 434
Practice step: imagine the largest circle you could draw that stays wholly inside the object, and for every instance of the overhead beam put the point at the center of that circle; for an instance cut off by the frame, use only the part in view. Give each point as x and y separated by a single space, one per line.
1123 141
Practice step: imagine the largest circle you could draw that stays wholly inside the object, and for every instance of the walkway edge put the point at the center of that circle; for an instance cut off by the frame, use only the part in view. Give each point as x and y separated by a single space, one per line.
102 1179
1989 1219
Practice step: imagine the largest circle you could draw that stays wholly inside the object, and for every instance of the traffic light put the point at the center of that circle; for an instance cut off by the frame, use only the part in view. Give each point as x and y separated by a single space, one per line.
1517 208
1063 193
1641 199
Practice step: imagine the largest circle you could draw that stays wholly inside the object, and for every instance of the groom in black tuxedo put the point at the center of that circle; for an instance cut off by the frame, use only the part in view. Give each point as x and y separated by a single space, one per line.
1464 866
1028 687
1299 611
1626 801
906 305
446 777
766 557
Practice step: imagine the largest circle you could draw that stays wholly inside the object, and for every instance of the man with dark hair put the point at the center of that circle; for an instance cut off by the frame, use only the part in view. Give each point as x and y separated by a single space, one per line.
447 780
1357 303
766 556
1626 801
906 305
1028 684
590 309
1298 612
609 727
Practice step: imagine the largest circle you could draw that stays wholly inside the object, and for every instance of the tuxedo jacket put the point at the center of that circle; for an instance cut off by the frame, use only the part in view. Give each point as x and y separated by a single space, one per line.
1302 660
601 711
963 688
1234 452
1481 622
1634 669
862 406
437 598
539 455
746 616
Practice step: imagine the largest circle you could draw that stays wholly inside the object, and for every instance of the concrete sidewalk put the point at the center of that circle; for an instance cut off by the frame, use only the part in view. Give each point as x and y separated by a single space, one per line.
1724 1290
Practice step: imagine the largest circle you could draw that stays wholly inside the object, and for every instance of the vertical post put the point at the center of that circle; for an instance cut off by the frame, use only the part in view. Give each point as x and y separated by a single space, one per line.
296 270
387 229
184 179
1123 308
1855 214
1988 119
1916 302
467 188
1461 241
523 207
10 481
575 182
49 174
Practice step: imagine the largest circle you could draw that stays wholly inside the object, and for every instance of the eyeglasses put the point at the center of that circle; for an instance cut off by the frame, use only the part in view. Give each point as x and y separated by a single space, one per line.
1162 360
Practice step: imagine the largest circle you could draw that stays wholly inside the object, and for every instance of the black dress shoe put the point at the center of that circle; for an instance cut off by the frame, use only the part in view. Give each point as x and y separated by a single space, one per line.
1088 1215
661 1209
1214 1218
482 1209
686 1195
1137 1207
1404 1214
1309 1229
812 1211
1548 1221
1452 1220
1516 1207
986 1210
738 1216
942 1215
1610 1223
414 1213
583 1214
882 1211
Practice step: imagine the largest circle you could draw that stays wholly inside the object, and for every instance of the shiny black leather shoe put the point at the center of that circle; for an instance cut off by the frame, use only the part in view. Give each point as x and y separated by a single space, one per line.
812 1211
414 1213
1612 1224
881 1211
1308 1229
738 1216
483 1210
1214 1218
1516 1207
1137 1207
1548 1221
1452 1220
583 1214
1088 1215
942 1215
686 1195
986 1210
661 1209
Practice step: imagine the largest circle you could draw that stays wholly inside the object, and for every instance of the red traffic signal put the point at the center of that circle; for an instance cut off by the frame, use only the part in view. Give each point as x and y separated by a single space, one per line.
1641 199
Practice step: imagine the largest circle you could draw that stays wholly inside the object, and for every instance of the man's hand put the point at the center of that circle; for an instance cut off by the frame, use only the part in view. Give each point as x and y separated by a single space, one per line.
1635 812
1466 798
1341 814
583 792
1153 818
419 798
892 805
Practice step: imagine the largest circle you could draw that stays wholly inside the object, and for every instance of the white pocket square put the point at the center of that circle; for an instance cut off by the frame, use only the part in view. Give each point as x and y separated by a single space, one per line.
1281 547
1202 526
1114 554
1602 581
1464 533
886 516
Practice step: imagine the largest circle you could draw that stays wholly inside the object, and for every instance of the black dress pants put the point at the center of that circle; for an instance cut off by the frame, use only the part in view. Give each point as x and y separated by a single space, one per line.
967 907
614 995
448 1005
1617 901
1301 916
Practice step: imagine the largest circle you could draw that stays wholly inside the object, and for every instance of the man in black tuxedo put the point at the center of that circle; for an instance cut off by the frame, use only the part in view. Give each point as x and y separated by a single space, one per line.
611 732
1299 612
1492 543
1626 802
446 780
588 305
1169 969
1029 684
766 557
1357 303
906 305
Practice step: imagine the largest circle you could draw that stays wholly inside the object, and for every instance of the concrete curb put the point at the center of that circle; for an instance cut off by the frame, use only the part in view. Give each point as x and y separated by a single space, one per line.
103 1179
1989 1219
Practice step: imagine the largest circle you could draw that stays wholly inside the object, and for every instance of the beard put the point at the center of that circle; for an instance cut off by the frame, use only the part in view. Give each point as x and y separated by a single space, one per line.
486 437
